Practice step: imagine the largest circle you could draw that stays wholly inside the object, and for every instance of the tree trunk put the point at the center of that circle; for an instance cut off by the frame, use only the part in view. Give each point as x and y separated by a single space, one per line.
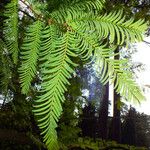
103 114
116 124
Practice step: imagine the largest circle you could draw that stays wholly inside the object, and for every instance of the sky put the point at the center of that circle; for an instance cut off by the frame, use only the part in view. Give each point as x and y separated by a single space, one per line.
143 55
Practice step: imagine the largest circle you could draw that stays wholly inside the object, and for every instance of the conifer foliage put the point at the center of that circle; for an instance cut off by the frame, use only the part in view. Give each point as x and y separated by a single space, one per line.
11 29
61 31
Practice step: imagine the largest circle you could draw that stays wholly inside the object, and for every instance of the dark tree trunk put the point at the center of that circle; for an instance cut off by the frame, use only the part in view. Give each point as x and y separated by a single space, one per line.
116 124
103 114
88 122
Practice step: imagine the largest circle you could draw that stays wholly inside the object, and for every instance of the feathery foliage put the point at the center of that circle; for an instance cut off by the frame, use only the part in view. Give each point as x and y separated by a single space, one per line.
117 71
11 28
56 70
71 29
5 67
29 55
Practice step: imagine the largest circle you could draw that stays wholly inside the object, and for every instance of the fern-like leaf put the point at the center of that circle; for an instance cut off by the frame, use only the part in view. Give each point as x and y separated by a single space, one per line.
11 28
56 70
29 55
117 71
109 69
75 7
112 26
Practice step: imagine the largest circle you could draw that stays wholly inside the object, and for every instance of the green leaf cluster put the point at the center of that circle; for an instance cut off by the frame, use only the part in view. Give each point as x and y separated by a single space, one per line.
11 28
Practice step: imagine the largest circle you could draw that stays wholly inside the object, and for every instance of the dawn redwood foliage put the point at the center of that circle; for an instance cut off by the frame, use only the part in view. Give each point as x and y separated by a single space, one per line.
59 32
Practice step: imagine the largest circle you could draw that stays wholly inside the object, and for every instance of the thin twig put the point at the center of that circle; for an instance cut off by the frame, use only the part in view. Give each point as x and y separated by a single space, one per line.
27 14
146 42
29 7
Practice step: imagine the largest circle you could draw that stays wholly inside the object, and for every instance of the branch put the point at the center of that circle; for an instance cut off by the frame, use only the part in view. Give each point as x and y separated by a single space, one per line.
146 42
147 85
27 14
32 10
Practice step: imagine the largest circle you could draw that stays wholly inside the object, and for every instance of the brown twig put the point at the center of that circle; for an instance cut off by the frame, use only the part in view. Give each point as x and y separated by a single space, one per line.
27 14
30 7
146 42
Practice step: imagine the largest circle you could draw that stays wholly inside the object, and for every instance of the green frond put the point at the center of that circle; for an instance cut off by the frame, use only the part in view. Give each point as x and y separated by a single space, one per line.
76 8
48 38
117 72
56 71
128 88
108 68
85 43
11 28
5 68
112 26
29 55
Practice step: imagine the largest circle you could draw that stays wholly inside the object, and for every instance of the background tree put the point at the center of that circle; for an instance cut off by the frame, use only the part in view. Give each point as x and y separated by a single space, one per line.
128 128
103 113
88 122
136 128
116 121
